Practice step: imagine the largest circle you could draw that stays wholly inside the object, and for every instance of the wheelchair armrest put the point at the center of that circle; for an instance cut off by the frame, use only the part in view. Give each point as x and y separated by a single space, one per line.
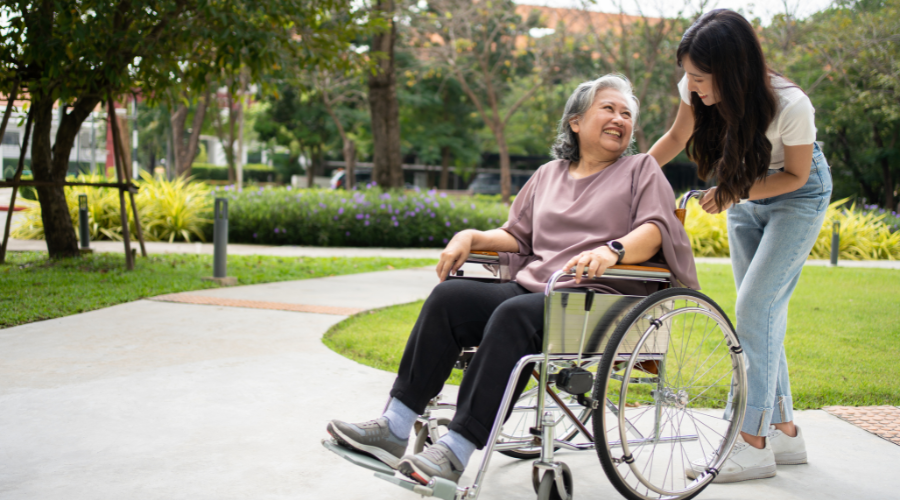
637 272
490 261
640 273
480 257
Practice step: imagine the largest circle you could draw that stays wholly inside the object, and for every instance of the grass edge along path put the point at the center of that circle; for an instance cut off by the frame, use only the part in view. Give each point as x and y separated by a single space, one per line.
34 288
842 343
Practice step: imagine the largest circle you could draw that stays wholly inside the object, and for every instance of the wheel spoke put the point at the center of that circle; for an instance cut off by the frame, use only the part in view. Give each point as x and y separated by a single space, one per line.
718 379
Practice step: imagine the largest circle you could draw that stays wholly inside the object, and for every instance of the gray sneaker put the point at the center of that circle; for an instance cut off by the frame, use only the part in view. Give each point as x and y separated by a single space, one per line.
372 438
435 461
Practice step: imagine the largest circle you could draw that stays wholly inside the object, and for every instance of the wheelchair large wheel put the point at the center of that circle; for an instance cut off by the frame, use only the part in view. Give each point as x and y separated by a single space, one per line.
670 395
516 428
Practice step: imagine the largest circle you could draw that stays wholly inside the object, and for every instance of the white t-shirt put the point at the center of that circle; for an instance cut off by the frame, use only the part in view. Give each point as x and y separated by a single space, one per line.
794 124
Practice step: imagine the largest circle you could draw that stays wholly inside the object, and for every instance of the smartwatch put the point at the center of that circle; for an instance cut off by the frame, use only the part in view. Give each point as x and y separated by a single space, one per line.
618 249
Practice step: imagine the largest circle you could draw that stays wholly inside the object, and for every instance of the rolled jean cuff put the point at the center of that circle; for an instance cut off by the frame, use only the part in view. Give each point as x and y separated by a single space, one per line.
756 421
783 411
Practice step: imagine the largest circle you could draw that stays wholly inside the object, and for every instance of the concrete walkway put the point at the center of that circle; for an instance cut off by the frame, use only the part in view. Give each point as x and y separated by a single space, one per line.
157 400
307 251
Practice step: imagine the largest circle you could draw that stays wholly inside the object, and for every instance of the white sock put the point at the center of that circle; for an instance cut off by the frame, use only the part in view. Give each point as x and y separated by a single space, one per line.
400 418
460 446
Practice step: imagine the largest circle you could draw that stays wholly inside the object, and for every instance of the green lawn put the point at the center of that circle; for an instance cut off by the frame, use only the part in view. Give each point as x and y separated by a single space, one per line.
33 288
843 340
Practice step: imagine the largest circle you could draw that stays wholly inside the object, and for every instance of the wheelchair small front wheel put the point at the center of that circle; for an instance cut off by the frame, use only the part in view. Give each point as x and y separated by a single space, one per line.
671 395
424 437
549 488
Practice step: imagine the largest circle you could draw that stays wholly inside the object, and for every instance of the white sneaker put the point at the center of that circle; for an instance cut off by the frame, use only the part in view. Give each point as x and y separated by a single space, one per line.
788 450
743 463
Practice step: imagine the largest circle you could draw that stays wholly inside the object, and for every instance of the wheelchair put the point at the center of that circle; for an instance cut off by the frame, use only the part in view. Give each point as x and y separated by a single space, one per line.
655 386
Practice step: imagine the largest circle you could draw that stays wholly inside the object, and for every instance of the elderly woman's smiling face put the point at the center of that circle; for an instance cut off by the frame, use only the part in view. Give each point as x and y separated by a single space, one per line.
604 131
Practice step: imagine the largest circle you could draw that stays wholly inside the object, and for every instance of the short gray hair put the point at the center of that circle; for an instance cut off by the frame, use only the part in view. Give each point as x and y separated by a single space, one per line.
566 145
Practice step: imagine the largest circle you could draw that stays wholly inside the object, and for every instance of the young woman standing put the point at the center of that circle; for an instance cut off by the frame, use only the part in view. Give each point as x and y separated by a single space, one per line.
754 132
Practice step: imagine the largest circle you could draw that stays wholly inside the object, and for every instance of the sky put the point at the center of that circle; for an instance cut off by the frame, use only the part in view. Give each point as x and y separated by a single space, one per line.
764 9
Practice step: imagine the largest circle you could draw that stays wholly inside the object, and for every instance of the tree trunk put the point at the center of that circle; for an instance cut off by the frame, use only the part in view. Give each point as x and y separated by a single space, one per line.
10 102
641 138
445 167
239 164
349 163
848 161
177 122
885 169
387 169
58 230
310 170
349 148
125 131
227 139
505 176
229 153
185 153
318 160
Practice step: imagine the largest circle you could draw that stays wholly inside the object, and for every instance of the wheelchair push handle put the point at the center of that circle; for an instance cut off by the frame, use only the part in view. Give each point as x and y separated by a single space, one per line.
681 211
695 193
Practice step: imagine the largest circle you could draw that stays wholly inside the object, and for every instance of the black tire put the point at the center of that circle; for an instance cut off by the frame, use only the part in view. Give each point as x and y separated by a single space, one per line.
663 362
548 490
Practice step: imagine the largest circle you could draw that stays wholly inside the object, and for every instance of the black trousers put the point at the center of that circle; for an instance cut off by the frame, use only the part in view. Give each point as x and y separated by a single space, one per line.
505 322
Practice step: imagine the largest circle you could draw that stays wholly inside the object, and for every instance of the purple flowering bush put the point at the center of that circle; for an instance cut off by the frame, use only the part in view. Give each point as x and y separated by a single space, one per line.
891 218
360 218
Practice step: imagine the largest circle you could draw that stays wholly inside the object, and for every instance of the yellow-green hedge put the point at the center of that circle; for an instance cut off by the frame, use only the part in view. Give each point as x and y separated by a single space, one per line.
864 235
176 210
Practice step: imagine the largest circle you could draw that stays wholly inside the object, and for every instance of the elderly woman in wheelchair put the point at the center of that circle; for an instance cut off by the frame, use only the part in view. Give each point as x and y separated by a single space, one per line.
593 209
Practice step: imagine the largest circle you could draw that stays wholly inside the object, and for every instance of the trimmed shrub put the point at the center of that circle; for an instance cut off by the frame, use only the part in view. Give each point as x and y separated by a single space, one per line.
363 218
253 172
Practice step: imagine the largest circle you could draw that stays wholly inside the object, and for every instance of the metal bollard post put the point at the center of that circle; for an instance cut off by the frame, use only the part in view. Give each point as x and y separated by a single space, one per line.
83 227
835 242
220 239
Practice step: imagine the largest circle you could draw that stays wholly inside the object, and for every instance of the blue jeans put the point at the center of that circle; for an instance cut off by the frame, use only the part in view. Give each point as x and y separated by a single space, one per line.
770 239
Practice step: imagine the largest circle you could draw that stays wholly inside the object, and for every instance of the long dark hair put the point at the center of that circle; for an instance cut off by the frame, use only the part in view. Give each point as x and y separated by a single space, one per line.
729 139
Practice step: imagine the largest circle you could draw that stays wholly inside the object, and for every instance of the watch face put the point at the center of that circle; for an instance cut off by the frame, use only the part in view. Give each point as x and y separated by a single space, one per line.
617 246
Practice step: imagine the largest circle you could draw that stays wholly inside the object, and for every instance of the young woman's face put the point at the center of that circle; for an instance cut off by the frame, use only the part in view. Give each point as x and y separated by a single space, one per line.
606 126
699 82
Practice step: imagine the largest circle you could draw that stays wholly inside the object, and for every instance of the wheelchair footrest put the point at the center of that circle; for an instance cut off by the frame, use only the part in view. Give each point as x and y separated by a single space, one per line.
357 458
439 488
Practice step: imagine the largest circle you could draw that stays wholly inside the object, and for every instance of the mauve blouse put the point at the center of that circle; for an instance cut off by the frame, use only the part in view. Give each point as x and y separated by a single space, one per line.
555 217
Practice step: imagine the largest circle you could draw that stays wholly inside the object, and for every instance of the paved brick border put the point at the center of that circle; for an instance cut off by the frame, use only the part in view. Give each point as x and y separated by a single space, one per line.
185 298
883 421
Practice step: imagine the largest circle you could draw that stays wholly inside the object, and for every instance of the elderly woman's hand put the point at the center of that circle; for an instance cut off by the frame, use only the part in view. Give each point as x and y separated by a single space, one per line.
594 262
455 254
